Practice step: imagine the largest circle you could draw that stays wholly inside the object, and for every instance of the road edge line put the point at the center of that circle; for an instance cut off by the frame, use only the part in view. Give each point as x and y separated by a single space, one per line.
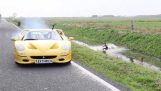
95 77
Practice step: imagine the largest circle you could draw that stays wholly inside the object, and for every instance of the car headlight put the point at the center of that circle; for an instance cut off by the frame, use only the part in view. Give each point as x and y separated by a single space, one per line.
20 47
65 47
22 54
63 54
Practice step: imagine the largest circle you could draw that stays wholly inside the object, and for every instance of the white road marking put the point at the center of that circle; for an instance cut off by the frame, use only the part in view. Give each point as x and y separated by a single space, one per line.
95 77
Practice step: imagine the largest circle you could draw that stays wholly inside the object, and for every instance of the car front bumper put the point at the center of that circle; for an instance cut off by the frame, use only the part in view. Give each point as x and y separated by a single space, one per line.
56 57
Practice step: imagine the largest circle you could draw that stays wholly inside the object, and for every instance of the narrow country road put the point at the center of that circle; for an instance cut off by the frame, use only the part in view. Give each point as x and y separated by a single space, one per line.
40 77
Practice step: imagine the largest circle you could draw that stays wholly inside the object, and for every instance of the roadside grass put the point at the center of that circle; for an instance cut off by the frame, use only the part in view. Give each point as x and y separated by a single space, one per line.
146 44
14 21
144 40
129 75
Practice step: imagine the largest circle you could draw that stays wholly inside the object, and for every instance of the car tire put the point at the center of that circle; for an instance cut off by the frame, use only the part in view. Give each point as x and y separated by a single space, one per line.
68 62
18 64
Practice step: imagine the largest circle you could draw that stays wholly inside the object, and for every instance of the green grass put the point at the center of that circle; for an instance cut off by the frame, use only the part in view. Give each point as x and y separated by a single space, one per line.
147 44
129 75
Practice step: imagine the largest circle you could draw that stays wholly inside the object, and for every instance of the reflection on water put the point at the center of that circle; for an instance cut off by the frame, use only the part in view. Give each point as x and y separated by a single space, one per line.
116 52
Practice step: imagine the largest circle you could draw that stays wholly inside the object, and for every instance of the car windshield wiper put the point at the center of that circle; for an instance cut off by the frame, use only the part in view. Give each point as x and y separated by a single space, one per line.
30 39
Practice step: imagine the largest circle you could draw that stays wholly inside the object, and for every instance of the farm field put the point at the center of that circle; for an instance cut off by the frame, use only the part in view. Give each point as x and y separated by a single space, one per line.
124 24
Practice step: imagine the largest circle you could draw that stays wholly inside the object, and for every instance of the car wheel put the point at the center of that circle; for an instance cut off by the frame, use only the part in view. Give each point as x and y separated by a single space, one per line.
68 62
18 64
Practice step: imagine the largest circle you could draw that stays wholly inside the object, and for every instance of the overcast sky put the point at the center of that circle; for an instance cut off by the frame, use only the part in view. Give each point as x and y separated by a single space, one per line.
71 8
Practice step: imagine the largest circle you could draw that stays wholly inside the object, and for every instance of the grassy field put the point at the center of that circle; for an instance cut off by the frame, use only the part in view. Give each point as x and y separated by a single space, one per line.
144 41
143 26
132 76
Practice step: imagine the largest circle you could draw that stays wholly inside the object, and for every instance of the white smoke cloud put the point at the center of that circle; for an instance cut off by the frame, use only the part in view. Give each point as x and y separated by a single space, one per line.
34 23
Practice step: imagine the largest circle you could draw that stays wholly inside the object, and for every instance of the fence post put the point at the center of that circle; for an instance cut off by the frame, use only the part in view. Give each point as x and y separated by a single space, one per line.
132 25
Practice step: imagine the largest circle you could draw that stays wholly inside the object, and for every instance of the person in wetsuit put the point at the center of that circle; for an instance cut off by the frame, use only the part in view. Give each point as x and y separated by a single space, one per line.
105 47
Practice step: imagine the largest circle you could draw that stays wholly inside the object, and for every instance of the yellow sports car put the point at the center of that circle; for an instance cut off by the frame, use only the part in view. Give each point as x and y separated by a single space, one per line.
42 46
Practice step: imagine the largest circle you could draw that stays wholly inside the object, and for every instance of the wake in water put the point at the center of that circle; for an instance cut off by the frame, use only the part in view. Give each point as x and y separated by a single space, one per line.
116 52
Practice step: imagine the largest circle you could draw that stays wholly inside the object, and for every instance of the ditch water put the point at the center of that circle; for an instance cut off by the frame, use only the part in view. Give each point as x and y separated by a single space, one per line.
116 52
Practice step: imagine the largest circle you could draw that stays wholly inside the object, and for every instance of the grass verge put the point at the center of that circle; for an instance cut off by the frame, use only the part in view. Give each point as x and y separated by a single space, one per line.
146 44
129 75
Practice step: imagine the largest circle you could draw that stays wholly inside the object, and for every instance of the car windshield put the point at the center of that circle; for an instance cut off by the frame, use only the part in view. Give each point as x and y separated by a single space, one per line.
42 35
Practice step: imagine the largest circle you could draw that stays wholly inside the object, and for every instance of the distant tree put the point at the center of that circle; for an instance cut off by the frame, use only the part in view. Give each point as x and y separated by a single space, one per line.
94 16
132 25
108 16
0 16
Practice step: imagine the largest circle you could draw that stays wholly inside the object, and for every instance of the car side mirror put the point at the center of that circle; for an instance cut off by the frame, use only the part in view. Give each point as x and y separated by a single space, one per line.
71 38
13 39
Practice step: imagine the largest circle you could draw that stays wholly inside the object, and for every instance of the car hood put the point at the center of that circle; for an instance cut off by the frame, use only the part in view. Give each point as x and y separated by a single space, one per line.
42 45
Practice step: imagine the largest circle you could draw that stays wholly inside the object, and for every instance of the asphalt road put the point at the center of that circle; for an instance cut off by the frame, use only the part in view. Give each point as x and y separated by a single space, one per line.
39 77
